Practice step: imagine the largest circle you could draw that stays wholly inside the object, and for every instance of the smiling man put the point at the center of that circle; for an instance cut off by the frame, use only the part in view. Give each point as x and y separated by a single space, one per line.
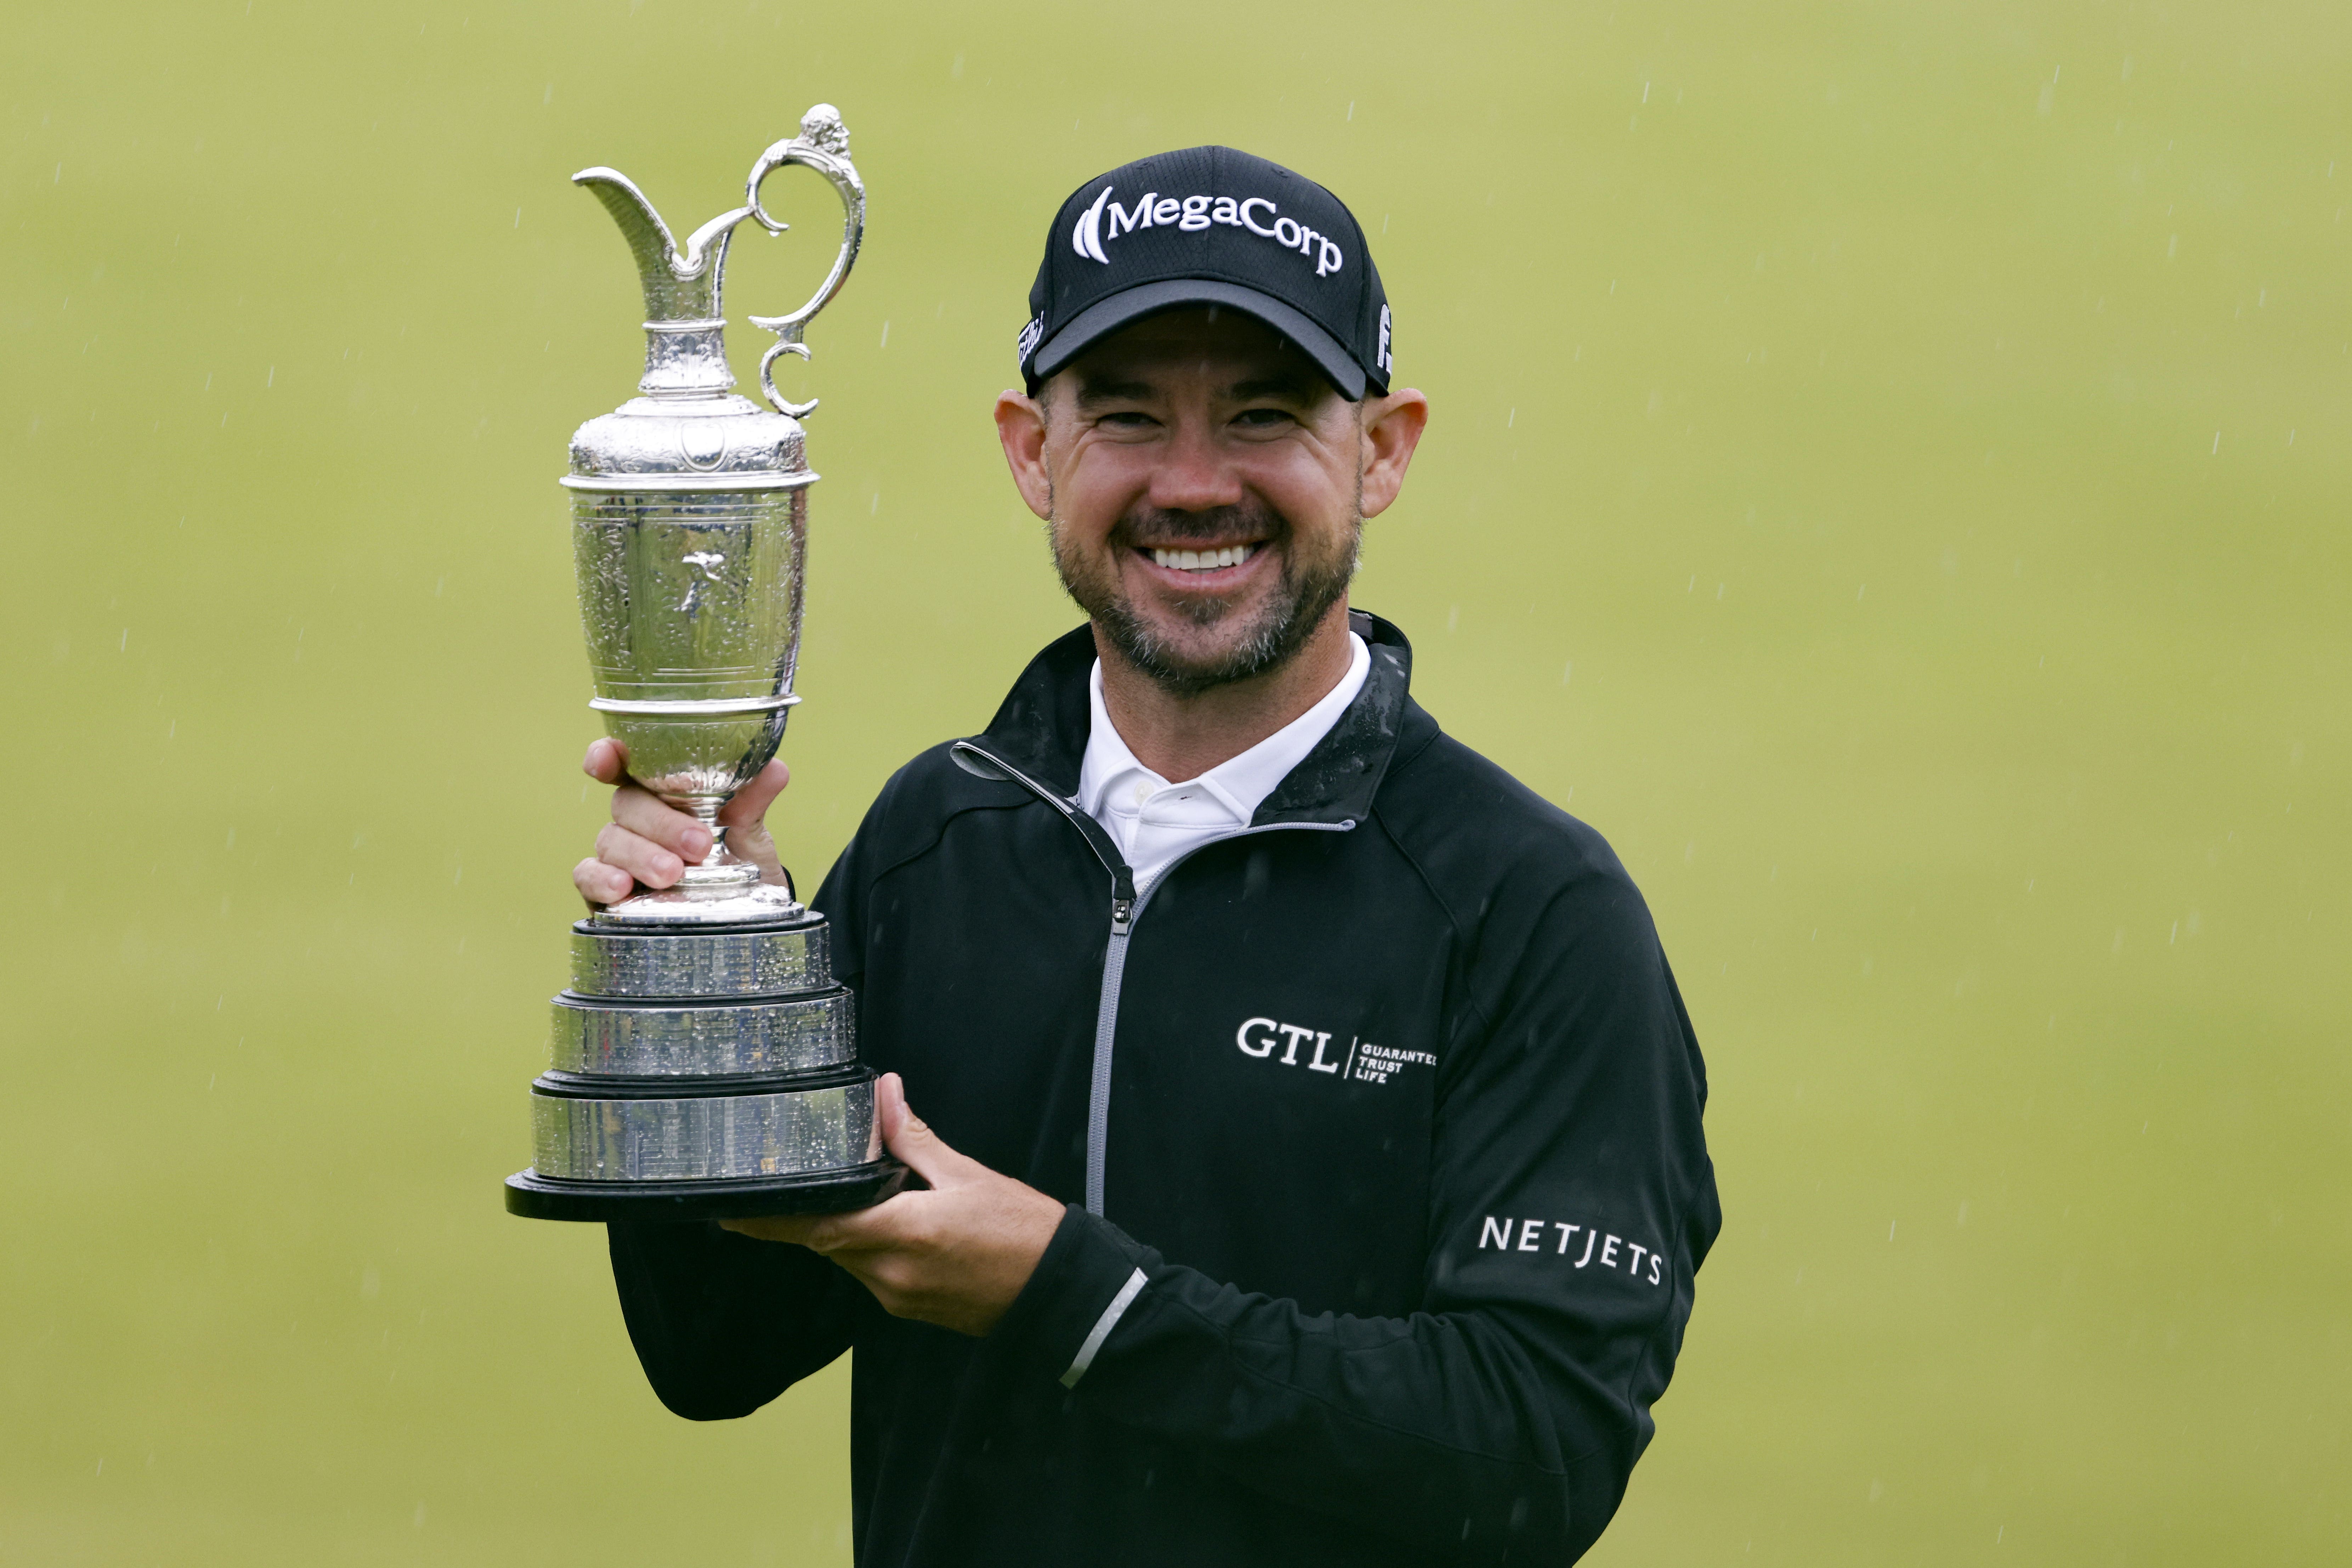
1315 1169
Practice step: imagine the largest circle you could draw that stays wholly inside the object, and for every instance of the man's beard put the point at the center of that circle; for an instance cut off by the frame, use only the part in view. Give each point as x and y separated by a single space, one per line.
1279 626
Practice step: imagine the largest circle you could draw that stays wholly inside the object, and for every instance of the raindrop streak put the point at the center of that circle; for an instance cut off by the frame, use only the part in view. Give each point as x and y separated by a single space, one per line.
886 334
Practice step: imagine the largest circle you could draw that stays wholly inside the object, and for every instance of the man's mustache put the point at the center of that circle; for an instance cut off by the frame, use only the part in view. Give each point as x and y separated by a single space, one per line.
1157 526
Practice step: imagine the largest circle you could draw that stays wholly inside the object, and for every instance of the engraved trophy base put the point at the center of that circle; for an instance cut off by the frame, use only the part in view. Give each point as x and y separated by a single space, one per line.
703 1070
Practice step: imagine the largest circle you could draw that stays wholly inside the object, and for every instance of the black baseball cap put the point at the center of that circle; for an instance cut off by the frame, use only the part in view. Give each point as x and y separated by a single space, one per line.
1210 225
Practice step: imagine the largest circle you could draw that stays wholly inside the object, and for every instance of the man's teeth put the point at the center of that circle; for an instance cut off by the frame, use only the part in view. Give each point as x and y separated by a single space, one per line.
1204 560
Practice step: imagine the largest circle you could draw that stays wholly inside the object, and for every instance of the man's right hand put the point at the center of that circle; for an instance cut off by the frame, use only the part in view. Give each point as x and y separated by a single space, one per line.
650 844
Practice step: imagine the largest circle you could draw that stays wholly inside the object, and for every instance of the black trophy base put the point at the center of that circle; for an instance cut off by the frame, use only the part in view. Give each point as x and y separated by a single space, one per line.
535 1196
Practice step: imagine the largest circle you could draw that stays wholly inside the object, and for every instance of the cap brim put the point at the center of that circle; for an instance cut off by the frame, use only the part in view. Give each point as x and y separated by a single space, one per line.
1104 317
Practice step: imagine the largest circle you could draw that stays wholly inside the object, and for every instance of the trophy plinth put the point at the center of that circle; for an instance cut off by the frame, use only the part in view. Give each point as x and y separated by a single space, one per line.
704 1064
708 1073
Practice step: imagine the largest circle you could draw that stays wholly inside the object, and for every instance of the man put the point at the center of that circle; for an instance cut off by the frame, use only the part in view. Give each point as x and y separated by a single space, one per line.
1315 1170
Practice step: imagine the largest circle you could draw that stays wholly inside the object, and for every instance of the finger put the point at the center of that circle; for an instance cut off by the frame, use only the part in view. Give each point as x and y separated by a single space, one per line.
860 1232
641 814
602 884
642 858
607 760
890 1104
794 1228
752 801
922 1150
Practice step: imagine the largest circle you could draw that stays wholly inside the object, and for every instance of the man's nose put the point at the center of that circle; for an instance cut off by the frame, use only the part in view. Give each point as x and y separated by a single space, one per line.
1194 474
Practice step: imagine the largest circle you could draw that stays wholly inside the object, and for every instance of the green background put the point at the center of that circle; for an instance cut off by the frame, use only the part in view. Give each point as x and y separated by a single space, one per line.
1887 473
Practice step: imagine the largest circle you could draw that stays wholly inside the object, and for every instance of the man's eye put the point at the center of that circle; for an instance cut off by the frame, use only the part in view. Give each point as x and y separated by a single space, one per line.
1128 419
1263 418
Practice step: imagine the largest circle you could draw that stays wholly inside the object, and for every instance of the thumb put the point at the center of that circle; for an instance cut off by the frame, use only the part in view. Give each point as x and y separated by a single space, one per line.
607 760
750 803
909 1138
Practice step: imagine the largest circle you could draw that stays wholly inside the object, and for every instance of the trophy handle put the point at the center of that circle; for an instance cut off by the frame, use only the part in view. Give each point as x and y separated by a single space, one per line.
823 145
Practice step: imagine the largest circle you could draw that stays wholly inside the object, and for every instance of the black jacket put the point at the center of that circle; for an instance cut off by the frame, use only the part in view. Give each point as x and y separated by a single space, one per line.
1389 1105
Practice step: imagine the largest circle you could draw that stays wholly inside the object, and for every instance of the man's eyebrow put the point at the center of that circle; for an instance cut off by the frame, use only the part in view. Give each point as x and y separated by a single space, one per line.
1107 390
1288 388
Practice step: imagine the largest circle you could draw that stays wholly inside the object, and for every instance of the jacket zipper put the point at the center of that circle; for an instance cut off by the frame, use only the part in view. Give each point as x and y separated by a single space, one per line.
1126 909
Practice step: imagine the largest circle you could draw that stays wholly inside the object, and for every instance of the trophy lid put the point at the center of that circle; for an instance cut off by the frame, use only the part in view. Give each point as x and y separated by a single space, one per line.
689 430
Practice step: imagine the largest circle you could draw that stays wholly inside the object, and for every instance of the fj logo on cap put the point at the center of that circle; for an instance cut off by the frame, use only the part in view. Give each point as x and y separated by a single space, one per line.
1106 220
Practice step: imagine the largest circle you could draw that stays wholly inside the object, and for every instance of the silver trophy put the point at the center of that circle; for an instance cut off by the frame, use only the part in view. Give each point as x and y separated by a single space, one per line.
704 1064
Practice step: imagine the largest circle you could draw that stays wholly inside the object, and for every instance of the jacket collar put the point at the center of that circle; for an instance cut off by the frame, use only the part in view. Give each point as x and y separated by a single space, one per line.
1040 728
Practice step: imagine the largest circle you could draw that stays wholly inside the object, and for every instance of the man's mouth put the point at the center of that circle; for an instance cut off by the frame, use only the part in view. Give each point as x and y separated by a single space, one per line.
1216 560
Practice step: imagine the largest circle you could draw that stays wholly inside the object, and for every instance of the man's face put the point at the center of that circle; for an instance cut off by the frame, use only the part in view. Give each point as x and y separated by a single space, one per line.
1203 484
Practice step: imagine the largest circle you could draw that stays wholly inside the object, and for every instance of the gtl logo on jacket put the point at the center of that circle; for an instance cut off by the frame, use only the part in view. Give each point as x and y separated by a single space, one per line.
1359 1061
1106 220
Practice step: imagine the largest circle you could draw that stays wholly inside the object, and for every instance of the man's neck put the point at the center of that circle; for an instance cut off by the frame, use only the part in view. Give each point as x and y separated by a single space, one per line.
1182 737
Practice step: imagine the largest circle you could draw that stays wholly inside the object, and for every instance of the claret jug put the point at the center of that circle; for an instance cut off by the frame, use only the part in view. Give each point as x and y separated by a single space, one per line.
704 1061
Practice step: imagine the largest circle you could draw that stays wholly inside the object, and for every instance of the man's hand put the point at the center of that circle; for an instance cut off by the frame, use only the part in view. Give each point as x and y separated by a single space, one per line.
649 843
955 1255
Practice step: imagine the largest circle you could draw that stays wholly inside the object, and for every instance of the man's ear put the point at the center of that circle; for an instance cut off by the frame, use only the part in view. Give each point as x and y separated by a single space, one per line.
1392 427
1021 428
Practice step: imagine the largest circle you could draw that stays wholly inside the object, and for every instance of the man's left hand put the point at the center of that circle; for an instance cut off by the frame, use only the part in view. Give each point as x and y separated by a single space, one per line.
955 1255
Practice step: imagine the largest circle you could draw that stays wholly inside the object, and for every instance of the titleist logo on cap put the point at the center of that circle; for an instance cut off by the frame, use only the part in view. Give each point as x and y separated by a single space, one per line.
1106 220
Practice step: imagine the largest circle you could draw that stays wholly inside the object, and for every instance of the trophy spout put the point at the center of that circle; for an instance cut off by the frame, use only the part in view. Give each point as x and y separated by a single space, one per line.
685 348
686 327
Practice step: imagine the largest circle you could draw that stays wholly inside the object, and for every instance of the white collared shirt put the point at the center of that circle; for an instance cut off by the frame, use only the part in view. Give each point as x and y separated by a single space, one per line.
1155 822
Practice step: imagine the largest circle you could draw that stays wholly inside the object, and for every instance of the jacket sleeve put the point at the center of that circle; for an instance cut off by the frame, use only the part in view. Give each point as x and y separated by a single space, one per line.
722 1323
1572 1201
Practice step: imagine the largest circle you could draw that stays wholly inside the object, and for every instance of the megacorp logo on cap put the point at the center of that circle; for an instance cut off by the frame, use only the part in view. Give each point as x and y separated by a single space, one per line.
1106 220
1253 236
